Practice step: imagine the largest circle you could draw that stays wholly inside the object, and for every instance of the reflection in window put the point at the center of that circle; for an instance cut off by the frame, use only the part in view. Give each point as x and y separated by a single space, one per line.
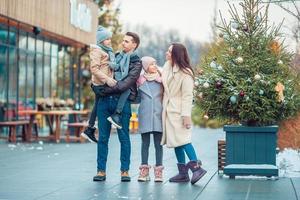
39 45
54 75
22 40
3 73
12 95
30 79
31 43
67 80
47 48
3 33
22 78
39 75
47 77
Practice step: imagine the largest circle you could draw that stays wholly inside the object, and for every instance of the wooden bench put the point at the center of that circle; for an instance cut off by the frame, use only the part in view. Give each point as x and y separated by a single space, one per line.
79 128
12 126
221 155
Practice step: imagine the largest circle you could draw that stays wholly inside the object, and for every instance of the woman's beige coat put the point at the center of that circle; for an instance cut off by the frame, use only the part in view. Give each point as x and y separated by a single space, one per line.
177 102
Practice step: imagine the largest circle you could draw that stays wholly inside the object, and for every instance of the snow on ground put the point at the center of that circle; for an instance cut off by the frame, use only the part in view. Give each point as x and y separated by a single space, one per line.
288 163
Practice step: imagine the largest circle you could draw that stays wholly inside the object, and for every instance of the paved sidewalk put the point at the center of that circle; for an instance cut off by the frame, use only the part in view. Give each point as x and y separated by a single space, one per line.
65 171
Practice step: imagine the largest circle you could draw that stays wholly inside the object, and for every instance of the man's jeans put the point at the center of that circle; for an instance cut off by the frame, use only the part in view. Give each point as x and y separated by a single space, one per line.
106 107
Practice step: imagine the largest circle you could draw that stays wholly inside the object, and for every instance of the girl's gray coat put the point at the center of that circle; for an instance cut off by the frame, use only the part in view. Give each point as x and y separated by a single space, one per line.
150 109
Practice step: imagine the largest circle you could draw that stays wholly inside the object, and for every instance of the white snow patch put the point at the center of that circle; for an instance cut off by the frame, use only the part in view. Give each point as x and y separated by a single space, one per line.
39 148
12 146
288 162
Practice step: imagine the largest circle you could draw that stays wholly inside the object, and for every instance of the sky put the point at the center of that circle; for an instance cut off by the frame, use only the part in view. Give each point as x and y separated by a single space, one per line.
191 18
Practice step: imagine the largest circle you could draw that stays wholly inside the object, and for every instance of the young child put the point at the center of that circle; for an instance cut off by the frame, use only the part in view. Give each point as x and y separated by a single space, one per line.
150 117
102 67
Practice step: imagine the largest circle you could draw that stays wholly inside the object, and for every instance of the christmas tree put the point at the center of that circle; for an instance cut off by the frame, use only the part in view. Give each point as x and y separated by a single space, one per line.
248 79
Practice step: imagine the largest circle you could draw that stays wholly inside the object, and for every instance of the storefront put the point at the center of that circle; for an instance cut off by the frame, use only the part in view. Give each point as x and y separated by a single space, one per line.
41 48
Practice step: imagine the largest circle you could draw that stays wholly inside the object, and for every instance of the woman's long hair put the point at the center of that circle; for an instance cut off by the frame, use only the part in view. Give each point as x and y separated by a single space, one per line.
181 58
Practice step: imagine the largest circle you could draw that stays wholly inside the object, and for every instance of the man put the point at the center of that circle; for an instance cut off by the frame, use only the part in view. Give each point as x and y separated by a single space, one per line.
131 65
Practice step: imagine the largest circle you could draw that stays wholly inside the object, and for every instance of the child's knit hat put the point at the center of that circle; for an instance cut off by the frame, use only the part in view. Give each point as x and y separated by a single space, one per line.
146 61
102 34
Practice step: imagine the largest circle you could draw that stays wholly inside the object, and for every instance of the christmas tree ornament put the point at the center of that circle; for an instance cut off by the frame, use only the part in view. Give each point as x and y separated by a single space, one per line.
213 65
257 77
200 71
206 85
196 83
245 28
226 37
279 88
280 62
239 60
200 96
234 25
242 93
258 19
219 84
261 92
206 117
275 47
233 99
231 50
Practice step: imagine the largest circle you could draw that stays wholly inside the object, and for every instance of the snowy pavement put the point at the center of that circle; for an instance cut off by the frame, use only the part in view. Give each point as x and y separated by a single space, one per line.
64 171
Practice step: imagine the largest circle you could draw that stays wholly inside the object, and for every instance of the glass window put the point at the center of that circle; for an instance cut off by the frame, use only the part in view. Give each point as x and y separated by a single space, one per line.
39 75
12 36
30 80
54 76
31 43
22 40
54 50
67 84
3 73
47 79
12 78
39 45
3 33
22 77
47 48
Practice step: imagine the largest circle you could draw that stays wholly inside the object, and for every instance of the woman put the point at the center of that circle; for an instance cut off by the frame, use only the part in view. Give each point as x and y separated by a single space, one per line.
178 82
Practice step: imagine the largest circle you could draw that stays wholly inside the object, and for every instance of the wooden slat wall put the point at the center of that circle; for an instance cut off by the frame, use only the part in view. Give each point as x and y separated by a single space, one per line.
51 15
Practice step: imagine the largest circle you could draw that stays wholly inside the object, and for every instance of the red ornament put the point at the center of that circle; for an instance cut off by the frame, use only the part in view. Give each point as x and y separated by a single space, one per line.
242 93
218 84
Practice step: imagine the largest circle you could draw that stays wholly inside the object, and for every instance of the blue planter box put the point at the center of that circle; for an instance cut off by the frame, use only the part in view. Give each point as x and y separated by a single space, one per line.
251 151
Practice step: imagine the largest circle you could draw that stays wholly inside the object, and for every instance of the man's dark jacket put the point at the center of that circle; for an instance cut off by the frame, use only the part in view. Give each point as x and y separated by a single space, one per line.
129 82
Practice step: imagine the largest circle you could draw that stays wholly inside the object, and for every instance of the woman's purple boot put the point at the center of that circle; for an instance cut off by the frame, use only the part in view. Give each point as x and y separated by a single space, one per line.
198 172
183 175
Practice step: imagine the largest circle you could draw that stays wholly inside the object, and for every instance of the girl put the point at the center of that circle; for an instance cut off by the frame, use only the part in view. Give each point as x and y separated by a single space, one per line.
178 82
149 116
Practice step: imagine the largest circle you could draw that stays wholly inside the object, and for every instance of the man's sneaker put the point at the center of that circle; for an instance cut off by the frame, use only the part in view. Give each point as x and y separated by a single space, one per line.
89 133
125 176
101 176
115 119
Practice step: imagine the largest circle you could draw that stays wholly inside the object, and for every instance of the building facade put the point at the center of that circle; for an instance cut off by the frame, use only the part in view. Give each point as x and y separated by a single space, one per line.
41 48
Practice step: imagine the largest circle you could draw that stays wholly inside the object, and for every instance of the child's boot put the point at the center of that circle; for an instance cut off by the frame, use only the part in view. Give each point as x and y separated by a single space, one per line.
198 172
182 176
89 133
115 119
144 173
158 173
